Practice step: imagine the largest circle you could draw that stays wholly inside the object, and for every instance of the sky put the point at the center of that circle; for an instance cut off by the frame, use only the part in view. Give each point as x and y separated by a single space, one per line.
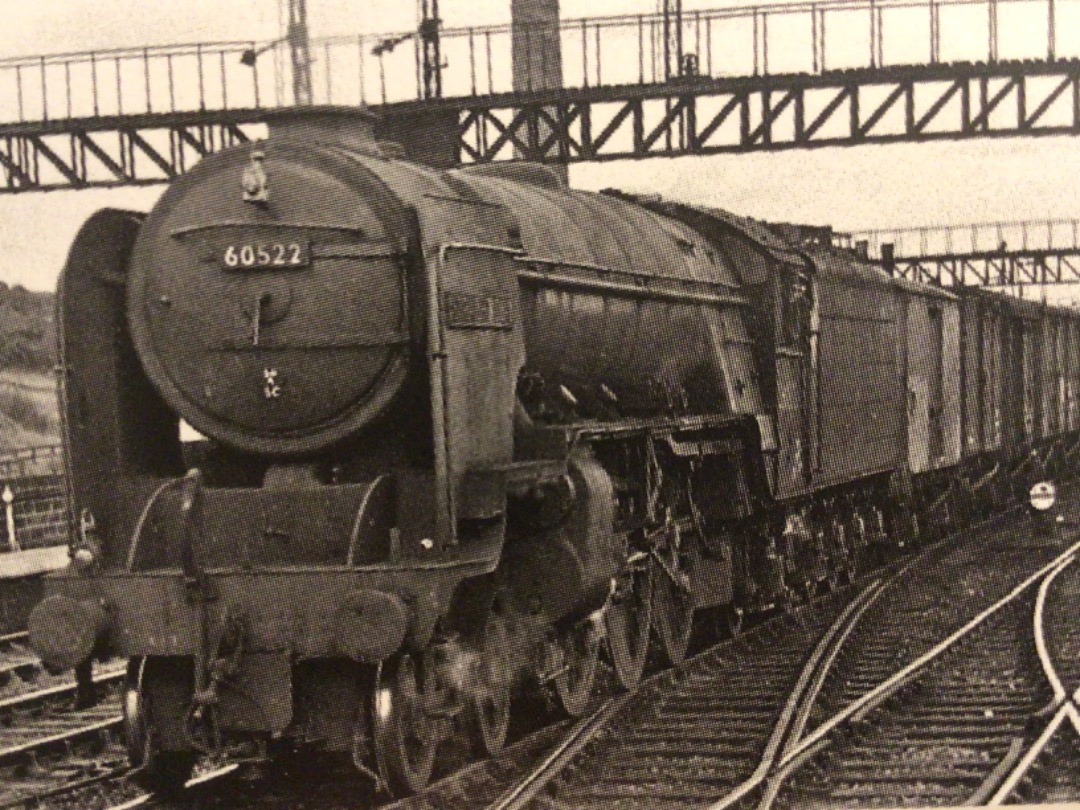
849 188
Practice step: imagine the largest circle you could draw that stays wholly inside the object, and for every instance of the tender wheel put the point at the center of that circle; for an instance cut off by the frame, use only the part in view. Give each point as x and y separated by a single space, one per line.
628 617
405 736
157 771
673 610
488 710
581 651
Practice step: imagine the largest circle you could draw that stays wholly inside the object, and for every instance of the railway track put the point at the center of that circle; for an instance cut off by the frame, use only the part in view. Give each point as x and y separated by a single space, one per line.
712 733
16 660
51 753
1047 768
943 736
22 676
46 746
950 728
514 779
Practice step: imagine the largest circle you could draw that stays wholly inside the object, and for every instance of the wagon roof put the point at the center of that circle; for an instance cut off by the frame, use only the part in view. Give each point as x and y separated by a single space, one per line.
928 290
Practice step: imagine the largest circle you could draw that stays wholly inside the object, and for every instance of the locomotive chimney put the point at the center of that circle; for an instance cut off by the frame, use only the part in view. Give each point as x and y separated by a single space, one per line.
349 127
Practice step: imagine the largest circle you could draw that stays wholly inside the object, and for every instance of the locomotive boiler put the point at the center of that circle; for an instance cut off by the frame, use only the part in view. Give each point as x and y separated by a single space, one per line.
458 434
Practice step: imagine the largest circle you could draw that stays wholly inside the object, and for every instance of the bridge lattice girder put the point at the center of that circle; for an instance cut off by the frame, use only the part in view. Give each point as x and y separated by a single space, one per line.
686 116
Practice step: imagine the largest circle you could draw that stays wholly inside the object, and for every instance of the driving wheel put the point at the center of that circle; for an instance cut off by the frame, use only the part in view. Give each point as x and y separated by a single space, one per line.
628 618
580 647
488 710
672 608
405 736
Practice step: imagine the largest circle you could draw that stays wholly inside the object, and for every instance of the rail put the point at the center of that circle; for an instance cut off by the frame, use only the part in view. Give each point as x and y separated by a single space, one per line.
796 712
726 41
520 795
1064 704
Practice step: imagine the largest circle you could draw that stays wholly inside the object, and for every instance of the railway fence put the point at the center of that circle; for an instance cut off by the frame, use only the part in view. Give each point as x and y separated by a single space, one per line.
33 499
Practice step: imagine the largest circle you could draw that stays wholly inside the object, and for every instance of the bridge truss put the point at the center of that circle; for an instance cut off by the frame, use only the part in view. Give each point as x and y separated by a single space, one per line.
989 254
768 113
686 116
1012 269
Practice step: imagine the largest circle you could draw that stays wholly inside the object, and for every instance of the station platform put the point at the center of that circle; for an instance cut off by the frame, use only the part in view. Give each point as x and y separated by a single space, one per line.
32 562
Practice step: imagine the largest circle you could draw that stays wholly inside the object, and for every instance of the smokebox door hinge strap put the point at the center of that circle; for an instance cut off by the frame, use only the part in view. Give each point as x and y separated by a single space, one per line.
197 584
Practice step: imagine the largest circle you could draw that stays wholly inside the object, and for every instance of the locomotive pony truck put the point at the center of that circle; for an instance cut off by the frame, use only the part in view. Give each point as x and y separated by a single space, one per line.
461 433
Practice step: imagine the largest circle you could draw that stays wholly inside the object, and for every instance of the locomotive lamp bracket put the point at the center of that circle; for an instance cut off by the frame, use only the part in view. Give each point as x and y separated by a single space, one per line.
254 181
86 551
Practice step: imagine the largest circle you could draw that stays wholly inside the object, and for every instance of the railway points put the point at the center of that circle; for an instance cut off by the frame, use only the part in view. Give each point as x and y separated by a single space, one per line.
1045 769
948 728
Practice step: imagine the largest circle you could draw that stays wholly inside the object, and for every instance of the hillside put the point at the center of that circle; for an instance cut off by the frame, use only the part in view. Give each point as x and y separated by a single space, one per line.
28 411
27 330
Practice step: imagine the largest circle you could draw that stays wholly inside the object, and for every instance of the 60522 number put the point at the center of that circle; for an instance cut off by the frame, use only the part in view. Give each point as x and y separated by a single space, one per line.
277 254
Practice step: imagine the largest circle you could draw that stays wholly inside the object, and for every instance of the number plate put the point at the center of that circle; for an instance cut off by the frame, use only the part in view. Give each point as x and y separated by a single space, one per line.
265 255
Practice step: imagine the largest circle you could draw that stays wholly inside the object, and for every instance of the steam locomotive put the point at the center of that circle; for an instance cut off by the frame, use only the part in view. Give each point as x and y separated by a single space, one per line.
459 431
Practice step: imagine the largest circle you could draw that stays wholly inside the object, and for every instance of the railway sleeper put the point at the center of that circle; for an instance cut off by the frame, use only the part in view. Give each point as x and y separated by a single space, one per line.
660 789
974 715
870 756
914 773
726 748
682 765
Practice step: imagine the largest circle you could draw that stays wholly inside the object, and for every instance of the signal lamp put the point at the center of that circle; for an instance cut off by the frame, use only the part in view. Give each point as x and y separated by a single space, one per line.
1042 496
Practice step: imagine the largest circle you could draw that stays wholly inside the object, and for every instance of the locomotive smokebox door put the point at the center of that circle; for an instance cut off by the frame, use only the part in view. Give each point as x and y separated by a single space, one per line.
279 328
